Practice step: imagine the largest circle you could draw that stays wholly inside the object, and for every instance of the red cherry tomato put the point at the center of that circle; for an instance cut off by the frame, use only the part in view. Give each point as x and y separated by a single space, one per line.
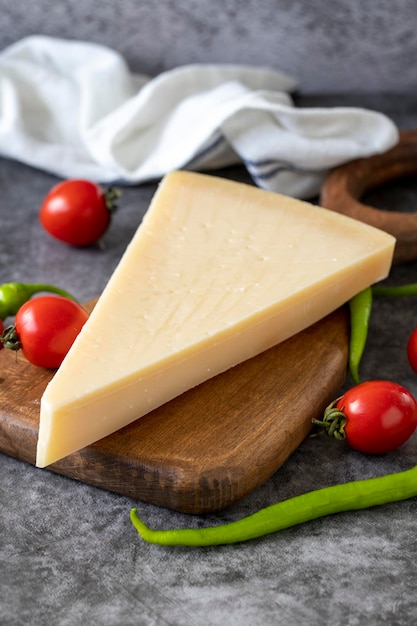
77 212
381 416
412 350
47 327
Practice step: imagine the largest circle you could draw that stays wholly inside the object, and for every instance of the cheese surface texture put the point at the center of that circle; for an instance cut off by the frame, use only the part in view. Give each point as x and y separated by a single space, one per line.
217 272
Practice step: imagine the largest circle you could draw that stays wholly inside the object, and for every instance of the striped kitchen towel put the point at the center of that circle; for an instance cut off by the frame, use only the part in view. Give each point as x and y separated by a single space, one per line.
76 110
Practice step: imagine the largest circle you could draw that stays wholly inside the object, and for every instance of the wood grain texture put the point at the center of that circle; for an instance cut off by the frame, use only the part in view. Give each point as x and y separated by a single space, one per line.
345 185
209 447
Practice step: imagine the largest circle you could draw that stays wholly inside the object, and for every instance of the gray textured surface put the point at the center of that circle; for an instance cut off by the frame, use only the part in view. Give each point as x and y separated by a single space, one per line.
68 553
344 45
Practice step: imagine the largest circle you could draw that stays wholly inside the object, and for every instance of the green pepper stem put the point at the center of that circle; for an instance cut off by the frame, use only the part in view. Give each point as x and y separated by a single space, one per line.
351 496
13 295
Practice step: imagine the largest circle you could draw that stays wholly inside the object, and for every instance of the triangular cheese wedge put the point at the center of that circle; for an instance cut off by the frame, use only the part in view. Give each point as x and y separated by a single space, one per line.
217 272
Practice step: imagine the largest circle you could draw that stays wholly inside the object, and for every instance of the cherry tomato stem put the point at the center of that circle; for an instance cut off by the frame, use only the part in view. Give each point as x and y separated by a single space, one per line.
111 195
333 422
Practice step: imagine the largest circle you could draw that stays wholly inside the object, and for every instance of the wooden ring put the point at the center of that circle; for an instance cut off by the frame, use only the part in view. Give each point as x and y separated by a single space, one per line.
345 185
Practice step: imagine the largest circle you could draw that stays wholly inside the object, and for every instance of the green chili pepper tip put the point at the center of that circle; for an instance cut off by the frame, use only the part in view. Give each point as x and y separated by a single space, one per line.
360 307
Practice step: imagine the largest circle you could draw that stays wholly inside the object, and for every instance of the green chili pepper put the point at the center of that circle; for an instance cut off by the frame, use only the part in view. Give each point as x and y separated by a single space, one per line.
360 307
360 311
393 292
13 295
351 496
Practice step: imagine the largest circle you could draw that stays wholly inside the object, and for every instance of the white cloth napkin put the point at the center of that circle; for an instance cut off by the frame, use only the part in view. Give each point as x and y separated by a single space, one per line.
75 110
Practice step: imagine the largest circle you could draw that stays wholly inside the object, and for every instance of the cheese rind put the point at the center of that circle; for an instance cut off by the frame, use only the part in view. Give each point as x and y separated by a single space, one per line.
217 272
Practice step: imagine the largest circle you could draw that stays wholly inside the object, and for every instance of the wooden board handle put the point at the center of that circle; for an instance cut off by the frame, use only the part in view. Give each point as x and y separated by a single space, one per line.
345 185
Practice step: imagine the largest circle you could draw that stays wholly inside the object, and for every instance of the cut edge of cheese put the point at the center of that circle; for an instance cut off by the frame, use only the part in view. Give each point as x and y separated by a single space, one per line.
87 415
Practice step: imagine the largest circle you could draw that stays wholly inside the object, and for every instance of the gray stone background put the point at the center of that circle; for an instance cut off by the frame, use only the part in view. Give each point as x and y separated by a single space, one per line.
337 46
68 553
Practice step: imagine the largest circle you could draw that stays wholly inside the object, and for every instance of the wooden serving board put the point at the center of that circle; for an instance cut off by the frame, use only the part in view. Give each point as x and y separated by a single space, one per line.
209 447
